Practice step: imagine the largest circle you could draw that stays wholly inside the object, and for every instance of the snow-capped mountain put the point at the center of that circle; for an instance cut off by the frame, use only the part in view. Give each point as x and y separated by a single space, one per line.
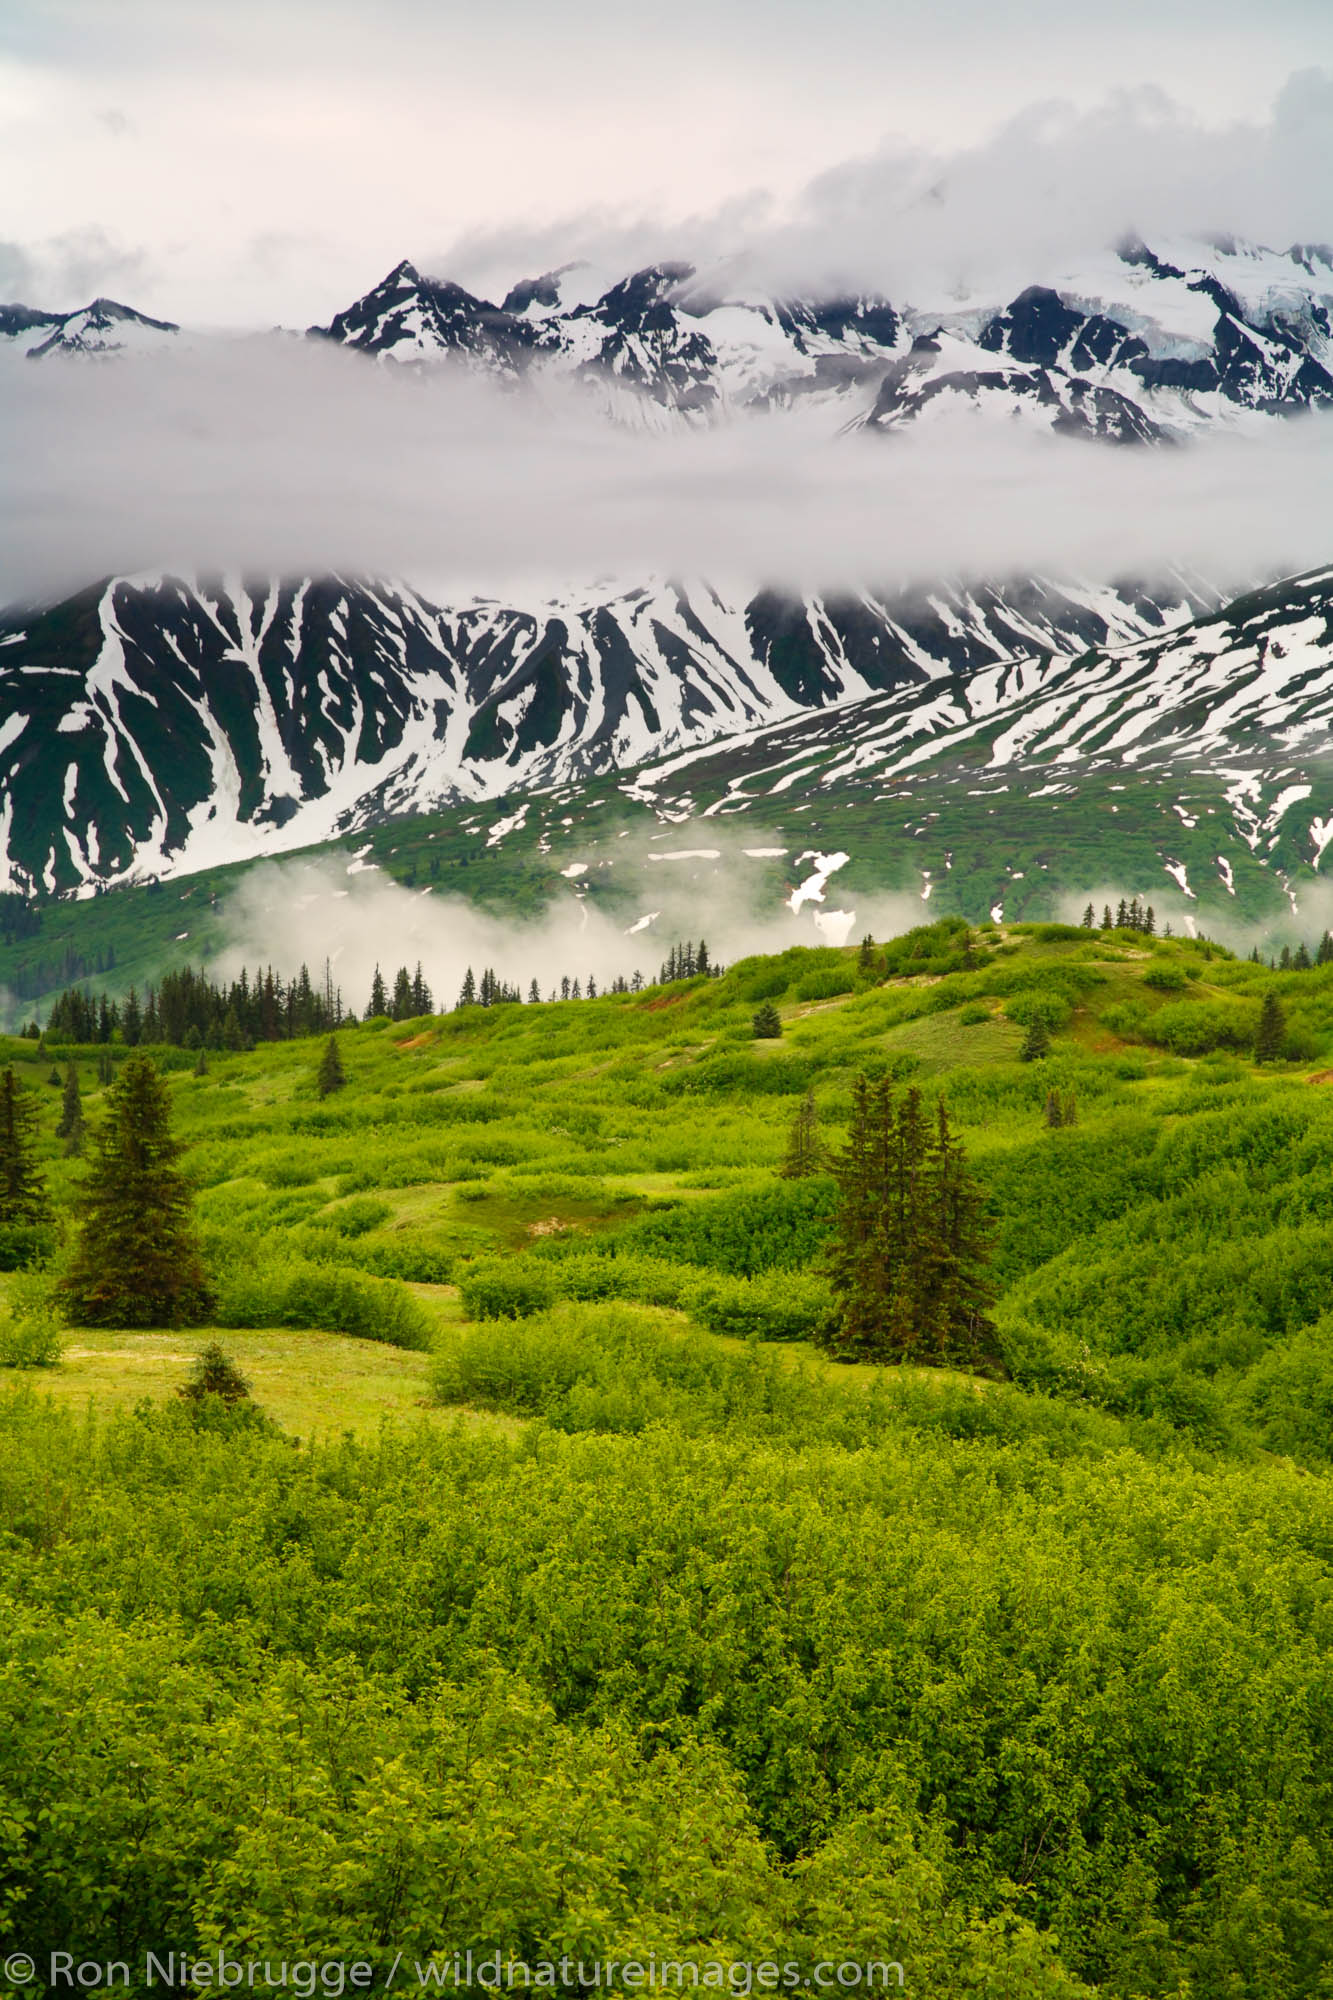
151 727
1132 347
1253 678
1135 346
102 328
1203 757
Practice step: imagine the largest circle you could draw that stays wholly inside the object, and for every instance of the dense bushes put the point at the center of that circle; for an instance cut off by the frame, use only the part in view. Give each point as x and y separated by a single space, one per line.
30 1334
26 1244
779 1226
289 1292
507 1288
669 1684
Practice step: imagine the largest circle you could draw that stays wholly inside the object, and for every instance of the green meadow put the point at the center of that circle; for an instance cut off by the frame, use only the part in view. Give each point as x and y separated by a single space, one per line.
555 1594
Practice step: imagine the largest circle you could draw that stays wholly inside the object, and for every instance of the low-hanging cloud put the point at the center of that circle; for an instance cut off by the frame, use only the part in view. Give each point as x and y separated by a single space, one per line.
288 913
281 456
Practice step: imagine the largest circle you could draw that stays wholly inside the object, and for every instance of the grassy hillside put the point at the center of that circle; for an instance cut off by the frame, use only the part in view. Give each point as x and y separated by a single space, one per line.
594 1613
1030 848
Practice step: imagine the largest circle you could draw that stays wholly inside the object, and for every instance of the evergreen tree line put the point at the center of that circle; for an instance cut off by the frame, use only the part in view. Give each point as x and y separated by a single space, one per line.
187 1010
19 918
1129 916
1299 960
408 997
687 961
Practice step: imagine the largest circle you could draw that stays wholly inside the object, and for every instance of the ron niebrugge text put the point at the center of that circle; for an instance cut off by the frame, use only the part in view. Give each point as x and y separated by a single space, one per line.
325 1979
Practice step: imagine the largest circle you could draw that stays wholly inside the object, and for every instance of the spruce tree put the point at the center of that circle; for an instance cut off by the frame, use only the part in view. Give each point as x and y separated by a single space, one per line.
1272 1031
767 1023
330 1075
865 1246
1054 1113
468 993
1302 961
910 1244
379 998
22 1184
534 993
954 1289
1089 918
70 1128
402 995
201 1066
865 957
1036 1043
805 1152
1325 951
1106 917
136 1262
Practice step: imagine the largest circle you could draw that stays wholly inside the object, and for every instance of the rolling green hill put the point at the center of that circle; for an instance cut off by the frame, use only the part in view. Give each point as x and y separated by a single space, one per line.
595 1613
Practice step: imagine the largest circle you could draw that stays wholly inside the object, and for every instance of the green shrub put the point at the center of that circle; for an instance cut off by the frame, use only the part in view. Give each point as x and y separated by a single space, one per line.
30 1334
1047 1008
611 1368
355 1217
330 1298
416 1263
506 1288
780 1305
1167 978
1288 1397
826 985
778 1226
972 1017
26 1245
654 1281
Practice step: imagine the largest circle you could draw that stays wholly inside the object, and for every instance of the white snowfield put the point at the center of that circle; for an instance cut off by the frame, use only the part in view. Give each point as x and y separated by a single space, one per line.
300 711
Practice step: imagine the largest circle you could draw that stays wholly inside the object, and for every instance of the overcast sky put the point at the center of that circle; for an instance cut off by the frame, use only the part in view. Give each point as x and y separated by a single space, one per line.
257 161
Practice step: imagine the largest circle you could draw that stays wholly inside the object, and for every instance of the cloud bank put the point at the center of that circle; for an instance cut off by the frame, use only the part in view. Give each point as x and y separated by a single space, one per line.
1055 183
275 456
286 913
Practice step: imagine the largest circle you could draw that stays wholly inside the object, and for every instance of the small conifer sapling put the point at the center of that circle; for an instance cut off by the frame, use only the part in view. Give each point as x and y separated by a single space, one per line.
330 1075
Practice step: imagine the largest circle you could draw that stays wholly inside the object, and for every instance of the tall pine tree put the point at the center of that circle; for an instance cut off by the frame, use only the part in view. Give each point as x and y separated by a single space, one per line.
22 1184
136 1262
910 1246
1272 1030
805 1152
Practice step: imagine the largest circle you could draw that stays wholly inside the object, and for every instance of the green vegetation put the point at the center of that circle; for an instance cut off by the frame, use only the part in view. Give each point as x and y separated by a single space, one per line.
136 1262
909 1247
640 1624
